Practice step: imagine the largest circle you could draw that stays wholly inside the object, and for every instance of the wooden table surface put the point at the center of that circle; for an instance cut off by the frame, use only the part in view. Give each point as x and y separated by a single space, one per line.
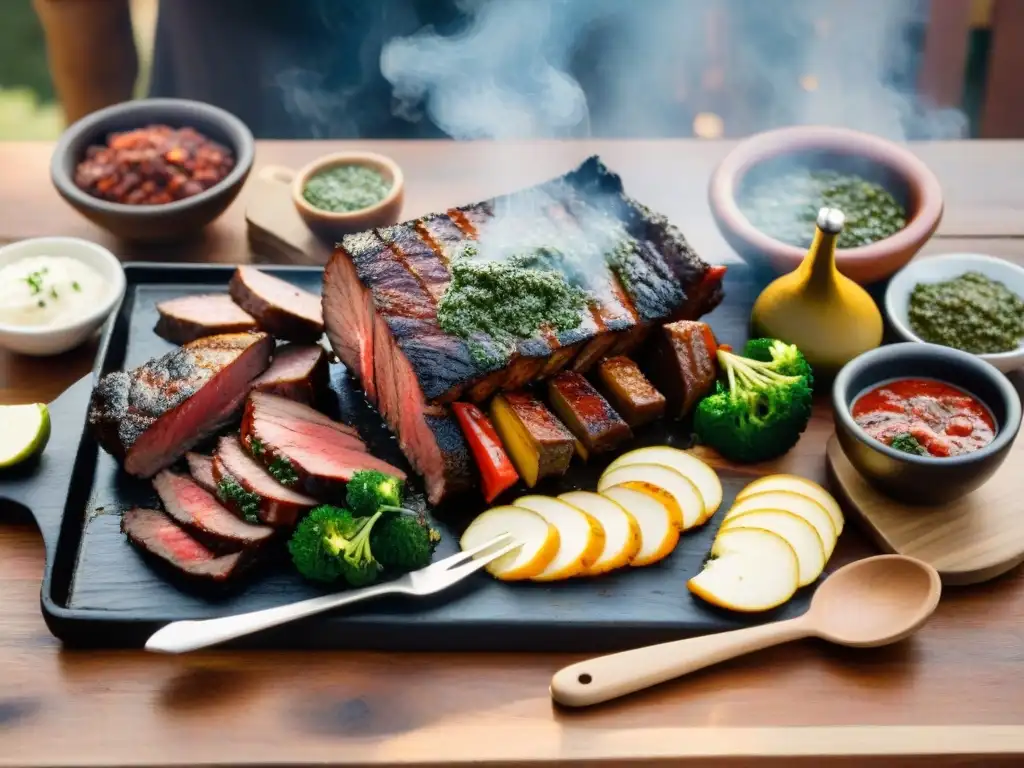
952 695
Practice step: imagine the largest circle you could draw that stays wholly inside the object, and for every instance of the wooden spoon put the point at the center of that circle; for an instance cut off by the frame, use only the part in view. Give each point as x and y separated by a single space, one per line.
868 603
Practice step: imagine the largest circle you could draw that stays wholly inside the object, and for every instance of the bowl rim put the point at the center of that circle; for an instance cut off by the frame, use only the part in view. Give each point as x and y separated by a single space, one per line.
118 286
1004 437
779 142
962 257
245 154
349 157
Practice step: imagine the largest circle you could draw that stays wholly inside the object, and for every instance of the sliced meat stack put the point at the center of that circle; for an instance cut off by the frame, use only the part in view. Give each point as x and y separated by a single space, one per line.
304 449
281 309
297 372
157 535
192 317
149 417
278 505
382 288
200 467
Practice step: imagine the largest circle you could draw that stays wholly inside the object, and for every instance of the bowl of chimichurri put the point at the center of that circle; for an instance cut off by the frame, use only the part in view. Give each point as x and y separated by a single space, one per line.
967 301
345 192
766 193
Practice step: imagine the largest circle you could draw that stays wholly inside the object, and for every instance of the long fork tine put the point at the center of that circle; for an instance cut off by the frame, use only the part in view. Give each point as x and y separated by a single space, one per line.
459 557
459 572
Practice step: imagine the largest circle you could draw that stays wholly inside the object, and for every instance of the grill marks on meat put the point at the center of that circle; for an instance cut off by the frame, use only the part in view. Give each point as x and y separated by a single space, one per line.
323 454
191 317
279 506
297 372
281 309
198 512
149 417
201 469
351 334
156 534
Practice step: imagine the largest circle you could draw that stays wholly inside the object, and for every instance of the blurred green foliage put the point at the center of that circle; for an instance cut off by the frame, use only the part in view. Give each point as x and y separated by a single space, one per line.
27 103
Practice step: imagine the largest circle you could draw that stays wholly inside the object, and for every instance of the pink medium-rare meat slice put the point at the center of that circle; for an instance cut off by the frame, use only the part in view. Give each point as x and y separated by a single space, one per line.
351 335
280 308
280 409
200 513
200 467
191 317
279 506
297 372
147 418
157 535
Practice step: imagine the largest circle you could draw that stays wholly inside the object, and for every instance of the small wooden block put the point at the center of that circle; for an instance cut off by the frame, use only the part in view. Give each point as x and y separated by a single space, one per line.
277 234
968 541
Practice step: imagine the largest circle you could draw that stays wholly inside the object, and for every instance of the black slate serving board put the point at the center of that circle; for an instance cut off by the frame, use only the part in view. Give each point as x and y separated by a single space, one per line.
98 590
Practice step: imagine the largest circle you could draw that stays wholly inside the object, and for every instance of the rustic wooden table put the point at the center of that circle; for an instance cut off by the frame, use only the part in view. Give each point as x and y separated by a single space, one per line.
950 696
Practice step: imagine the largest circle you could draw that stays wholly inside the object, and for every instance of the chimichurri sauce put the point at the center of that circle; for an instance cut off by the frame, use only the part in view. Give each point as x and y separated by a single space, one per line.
785 207
971 312
345 188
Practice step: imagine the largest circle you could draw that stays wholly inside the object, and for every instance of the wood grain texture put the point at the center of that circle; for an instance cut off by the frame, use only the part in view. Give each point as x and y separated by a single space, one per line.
950 696
971 540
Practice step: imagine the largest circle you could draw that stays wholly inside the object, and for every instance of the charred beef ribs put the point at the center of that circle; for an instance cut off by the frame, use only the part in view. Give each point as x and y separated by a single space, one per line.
192 317
280 308
304 449
147 418
382 288
157 535
298 372
279 506
200 467
198 512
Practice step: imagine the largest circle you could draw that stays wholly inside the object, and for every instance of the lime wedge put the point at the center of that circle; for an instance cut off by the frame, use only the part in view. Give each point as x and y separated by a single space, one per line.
24 432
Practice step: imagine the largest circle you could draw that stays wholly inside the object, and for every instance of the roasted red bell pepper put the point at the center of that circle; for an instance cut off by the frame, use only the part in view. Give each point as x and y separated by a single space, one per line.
496 469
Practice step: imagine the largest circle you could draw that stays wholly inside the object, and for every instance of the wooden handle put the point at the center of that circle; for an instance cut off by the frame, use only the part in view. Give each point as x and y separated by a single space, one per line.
278 173
608 677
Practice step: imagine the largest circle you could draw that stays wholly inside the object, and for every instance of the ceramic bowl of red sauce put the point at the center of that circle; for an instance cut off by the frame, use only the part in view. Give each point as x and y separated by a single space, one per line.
923 423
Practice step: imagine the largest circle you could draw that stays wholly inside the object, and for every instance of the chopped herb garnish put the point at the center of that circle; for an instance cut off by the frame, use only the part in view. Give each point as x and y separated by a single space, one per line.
35 281
53 293
282 471
40 303
256 447
75 285
246 502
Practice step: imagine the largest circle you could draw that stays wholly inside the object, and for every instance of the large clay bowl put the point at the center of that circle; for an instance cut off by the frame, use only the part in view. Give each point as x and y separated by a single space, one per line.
885 162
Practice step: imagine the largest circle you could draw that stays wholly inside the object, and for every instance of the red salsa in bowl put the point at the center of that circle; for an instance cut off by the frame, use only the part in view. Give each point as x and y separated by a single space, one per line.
925 417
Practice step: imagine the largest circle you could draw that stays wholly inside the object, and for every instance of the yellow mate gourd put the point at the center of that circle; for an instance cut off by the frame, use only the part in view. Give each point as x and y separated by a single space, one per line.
823 312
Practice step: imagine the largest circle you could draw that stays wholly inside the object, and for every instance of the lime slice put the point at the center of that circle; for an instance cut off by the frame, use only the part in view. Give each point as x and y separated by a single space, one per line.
24 432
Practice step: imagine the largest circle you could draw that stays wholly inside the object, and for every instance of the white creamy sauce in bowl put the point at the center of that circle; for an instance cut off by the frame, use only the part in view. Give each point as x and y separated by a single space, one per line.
40 291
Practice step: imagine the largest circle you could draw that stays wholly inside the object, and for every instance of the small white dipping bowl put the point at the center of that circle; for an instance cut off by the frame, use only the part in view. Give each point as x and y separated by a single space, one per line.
45 340
938 268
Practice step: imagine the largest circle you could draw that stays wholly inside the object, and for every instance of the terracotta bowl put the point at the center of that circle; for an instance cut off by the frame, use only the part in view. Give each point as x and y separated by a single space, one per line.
887 163
330 225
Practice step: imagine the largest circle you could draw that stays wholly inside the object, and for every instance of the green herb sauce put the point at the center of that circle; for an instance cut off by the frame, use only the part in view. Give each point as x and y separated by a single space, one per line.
248 503
907 443
971 312
345 188
786 207
494 304
282 471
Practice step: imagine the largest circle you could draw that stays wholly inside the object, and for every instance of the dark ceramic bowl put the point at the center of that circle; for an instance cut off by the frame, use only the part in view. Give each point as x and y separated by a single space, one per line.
924 479
152 223
884 162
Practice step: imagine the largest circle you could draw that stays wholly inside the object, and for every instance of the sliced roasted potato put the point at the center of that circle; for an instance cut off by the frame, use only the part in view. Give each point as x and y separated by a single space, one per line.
701 474
786 501
581 537
538 443
539 539
750 569
678 492
801 485
659 533
622 538
798 533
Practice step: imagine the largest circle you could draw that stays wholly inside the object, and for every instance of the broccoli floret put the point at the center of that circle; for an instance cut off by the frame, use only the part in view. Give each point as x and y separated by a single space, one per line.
788 360
369 491
403 542
760 412
331 545
907 443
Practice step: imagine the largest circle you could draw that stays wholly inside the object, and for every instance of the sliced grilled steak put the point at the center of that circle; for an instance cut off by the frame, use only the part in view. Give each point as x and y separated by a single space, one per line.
149 417
304 449
201 514
201 469
298 372
192 317
278 506
157 535
280 308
